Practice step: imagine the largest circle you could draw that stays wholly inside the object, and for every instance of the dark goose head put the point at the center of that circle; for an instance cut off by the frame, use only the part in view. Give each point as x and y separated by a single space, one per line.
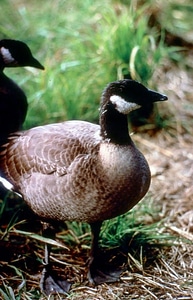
118 100
15 53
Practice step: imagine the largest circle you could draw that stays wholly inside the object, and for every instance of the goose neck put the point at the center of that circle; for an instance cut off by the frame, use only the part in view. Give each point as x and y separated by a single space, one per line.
114 125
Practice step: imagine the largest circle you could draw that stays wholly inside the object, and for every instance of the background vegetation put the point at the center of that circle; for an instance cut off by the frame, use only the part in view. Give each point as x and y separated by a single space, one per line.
84 45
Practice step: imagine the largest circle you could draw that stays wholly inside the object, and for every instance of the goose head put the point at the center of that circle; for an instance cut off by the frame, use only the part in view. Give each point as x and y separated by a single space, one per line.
15 53
118 99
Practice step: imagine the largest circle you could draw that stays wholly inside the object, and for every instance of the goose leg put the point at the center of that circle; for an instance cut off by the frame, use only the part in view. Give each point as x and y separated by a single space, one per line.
104 265
50 283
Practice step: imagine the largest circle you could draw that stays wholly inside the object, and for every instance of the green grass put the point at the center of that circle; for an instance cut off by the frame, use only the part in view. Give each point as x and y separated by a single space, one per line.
83 46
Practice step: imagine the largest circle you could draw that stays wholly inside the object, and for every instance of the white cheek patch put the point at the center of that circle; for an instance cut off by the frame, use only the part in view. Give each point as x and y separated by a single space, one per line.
7 57
123 106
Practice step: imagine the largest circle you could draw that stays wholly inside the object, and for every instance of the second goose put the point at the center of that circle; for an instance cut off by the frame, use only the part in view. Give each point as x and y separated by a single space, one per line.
13 101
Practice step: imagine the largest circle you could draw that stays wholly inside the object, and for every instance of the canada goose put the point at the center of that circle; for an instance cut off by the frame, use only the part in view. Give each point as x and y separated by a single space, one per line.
13 102
80 171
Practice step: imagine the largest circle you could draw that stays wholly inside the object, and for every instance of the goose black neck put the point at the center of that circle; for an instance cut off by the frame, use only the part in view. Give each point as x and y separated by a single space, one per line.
2 64
114 125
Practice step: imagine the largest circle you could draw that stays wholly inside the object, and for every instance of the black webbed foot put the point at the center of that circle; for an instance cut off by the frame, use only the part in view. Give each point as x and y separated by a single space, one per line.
107 266
51 283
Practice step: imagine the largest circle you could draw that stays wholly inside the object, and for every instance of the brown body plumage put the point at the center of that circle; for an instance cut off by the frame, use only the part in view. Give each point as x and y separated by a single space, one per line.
80 171
89 180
